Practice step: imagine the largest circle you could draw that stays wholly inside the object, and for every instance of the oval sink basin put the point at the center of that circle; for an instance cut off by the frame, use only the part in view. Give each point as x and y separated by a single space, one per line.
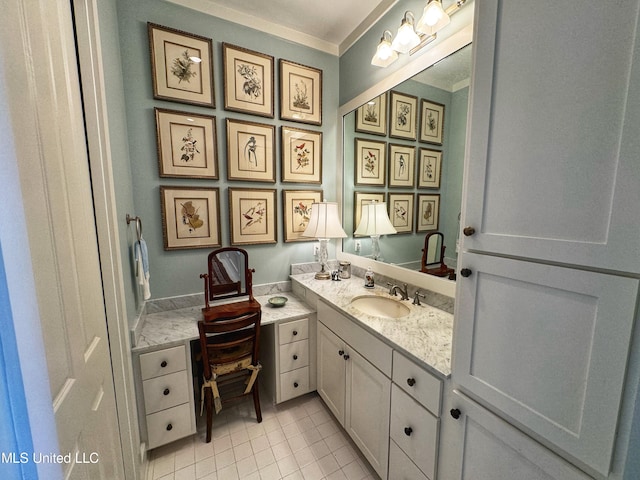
380 306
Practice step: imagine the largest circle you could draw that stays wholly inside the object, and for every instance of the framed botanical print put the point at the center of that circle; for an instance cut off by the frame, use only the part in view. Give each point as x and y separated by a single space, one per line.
301 152
430 168
252 216
190 217
402 161
250 151
403 116
428 212
296 207
371 161
372 116
187 144
300 93
181 66
401 211
248 81
359 199
432 122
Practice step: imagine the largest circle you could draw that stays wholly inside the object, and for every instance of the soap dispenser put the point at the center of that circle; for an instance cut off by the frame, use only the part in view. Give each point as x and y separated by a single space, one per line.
368 279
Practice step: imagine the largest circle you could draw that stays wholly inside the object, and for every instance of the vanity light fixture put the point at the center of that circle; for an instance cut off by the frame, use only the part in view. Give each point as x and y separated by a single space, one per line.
374 222
324 224
434 18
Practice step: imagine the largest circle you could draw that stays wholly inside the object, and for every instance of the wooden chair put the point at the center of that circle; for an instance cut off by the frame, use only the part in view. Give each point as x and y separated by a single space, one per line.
229 342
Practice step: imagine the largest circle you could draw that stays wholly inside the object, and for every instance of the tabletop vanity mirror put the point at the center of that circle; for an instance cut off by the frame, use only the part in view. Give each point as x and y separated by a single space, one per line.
422 179
228 275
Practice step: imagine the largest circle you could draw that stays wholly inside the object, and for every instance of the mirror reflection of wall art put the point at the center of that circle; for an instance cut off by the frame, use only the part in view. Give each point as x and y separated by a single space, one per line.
360 198
300 93
187 144
404 116
301 155
252 216
181 66
248 81
428 212
190 217
250 151
372 116
402 161
296 206
432 122
401 211
429 168
371 161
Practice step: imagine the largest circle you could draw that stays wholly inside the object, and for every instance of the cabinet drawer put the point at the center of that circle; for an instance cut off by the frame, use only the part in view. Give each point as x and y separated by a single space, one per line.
293 331
169 425
401 467
418 383
294 355
162 362
415 431
165 391
294 383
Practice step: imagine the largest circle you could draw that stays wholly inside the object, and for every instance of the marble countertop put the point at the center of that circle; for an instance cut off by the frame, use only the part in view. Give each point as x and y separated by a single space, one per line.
172 327
424 334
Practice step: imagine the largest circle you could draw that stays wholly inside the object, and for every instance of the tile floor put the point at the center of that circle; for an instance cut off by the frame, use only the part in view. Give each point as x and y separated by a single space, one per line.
297 440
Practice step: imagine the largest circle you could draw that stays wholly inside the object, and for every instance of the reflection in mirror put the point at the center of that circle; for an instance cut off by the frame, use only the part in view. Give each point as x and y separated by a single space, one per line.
422 156
227 275
433 255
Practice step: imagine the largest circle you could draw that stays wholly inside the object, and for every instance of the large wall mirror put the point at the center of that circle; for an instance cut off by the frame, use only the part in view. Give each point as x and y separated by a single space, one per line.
422 179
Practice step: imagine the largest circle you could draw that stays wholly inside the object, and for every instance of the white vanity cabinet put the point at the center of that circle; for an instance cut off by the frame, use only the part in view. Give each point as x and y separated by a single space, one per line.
354 370
547 288
167 404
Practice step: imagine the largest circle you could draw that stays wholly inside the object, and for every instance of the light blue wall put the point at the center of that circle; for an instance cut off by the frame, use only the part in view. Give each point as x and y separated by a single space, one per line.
177 272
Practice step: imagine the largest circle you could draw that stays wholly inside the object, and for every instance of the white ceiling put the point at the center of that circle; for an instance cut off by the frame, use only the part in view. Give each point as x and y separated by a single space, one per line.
328 25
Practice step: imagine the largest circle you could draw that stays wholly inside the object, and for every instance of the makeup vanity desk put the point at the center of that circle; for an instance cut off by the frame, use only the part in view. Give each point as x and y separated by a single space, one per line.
166 372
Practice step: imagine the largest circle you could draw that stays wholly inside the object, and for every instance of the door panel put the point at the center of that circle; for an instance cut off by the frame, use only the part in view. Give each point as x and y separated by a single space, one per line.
331 371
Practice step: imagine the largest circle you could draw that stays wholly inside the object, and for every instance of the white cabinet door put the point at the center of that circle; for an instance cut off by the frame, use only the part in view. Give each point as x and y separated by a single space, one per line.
368 409
552 157
546 346
494 450
331 371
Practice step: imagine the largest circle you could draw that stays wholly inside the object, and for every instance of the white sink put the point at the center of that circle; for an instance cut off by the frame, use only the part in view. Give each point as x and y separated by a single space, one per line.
380 306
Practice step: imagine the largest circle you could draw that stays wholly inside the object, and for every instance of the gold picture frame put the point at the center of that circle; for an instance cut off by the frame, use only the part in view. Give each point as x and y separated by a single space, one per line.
296 209
403 115
252 216
250 151
248 81
432 122
401 211
301 152
402 165
181 66
371 162
300 93
429 168
428 212
190 217
187 144
372 116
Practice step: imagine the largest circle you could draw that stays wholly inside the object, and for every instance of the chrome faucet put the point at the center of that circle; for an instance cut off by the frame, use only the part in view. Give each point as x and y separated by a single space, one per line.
396 288
416 297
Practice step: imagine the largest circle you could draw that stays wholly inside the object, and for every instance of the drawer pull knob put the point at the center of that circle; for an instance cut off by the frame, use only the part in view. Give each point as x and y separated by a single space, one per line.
169 427
163 364
408 431
295 384
295 332
341 352
465 272
346 356
295 357
411 382
166 391
455 413
468 231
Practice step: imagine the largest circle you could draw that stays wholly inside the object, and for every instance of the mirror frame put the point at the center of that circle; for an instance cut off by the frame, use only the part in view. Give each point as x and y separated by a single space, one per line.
443 49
